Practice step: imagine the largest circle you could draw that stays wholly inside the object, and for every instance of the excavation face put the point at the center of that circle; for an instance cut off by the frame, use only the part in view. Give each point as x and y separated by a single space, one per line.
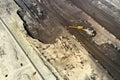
39 21
46 20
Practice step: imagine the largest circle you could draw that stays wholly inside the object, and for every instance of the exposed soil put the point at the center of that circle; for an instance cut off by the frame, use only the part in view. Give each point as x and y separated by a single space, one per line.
70 59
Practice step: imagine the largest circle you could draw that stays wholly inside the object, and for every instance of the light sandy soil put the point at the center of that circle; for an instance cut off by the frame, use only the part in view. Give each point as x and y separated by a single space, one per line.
70 59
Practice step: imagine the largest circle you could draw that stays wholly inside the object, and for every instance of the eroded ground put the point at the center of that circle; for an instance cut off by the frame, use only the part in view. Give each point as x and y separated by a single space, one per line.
66 55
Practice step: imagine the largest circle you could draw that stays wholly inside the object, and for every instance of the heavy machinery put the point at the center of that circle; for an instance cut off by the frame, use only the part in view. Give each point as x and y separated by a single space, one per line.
44 20
91 32
77 27
47 18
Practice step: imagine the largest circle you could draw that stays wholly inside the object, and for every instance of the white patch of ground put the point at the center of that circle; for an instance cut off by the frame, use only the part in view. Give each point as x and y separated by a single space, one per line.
103 36
14 65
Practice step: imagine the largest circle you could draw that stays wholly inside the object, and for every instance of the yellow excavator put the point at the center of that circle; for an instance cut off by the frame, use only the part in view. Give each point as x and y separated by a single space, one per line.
89 31
77 27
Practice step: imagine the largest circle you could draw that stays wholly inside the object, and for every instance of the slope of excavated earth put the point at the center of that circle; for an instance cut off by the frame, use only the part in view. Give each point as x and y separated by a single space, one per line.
70 59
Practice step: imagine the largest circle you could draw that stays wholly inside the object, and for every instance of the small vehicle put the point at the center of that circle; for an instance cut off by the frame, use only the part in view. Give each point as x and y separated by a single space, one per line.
90 31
